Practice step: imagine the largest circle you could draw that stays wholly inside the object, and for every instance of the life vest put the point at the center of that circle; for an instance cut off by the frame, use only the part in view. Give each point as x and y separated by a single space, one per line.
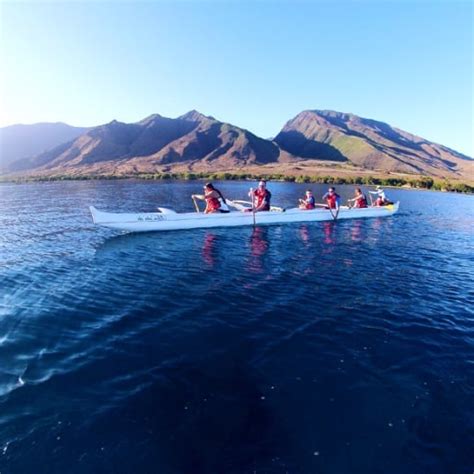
332 199
262 195
380 201
309 203
212 203
361 201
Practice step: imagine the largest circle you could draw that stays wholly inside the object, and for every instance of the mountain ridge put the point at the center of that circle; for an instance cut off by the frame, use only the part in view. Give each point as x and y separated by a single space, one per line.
366 143
21 141
197 142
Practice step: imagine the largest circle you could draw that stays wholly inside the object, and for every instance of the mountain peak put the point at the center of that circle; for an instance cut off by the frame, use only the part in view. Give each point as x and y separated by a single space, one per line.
331 113
112 123
195 116
328 114
151 119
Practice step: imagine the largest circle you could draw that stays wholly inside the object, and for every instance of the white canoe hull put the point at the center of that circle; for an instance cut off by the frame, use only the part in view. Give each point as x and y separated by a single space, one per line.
170 220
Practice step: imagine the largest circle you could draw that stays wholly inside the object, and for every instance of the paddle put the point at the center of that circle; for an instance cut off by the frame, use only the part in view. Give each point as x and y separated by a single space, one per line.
325 206
195 204
337 210
253 205
337 213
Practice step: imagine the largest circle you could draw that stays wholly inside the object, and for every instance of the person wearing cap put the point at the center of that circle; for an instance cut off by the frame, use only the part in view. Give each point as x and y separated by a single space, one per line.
215 201
381 197
261 197
308 202
333 200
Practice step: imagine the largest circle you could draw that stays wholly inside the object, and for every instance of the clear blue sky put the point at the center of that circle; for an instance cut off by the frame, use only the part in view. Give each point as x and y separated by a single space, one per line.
254 64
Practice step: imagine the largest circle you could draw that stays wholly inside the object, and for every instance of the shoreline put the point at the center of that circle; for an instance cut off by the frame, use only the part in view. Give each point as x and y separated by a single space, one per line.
420 183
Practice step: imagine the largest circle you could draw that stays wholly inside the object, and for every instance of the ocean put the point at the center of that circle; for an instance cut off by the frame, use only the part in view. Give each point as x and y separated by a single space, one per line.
332 347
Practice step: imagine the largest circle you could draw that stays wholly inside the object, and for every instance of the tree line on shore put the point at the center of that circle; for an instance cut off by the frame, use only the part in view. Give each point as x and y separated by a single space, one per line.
417 183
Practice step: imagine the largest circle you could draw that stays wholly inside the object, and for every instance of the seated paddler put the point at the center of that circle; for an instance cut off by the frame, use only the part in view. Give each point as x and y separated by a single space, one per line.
308 202
260 197
215 201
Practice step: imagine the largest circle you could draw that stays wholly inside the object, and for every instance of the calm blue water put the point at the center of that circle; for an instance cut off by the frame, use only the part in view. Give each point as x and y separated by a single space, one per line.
342 347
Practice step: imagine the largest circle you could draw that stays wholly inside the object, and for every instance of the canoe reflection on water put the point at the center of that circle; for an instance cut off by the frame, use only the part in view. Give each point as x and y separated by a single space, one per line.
304 234
258 244
259 241
212 248
328 228
356 232
262 250
209 249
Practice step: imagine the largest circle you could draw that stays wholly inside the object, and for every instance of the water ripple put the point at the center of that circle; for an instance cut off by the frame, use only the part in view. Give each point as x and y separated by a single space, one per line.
330 347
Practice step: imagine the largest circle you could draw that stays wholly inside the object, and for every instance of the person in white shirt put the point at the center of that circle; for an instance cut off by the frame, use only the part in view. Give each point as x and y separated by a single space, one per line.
382 199
380 193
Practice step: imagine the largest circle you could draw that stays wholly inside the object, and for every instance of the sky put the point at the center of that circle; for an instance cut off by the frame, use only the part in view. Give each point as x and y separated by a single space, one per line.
255 64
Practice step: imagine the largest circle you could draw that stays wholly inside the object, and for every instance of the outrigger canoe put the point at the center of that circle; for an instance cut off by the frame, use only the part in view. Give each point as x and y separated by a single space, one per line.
167 219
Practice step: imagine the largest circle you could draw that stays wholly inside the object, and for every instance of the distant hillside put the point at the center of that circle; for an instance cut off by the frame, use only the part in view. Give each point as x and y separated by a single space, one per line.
23 141
336 136
155 141
313 143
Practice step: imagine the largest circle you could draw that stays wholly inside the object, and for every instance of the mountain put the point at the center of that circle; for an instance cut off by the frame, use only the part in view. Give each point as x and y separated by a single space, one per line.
23 141
369 144
192 139
315 142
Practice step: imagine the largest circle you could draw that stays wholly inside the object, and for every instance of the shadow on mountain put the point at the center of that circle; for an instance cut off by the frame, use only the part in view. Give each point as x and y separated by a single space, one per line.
113 141
159 132
380 128
265 150
202 144
297 144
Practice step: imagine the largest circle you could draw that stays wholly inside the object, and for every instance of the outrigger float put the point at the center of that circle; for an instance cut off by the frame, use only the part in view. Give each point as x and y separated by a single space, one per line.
167 219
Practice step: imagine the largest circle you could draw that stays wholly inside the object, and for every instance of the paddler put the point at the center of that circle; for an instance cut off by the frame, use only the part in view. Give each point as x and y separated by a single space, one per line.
308 202
215 201
333 200
382 199
260 197
359 199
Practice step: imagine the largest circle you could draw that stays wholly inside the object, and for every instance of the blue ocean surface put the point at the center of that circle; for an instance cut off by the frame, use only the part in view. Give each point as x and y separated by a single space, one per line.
332 347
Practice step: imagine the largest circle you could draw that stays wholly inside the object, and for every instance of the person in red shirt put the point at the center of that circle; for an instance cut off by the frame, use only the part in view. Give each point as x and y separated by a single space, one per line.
333 200
308 202
261 197
359 199
215 201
